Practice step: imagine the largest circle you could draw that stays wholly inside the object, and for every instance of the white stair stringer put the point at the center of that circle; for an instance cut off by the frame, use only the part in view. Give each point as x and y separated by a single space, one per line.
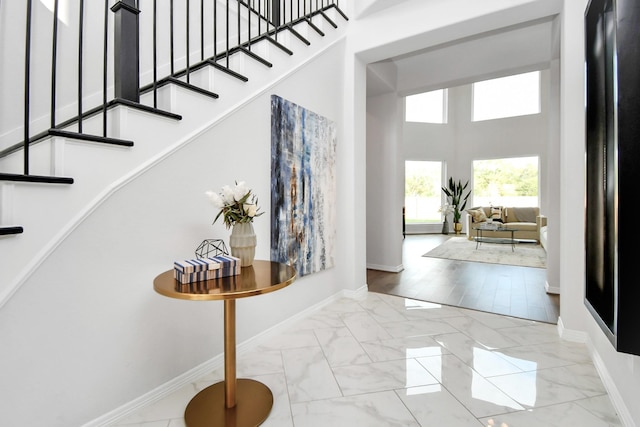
99 170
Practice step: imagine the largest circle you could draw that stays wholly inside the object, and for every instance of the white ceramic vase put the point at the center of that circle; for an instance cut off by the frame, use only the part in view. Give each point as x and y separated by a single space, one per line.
445 226
243 243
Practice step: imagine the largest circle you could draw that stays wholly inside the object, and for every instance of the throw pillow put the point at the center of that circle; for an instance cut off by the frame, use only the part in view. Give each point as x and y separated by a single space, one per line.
496 213
477 215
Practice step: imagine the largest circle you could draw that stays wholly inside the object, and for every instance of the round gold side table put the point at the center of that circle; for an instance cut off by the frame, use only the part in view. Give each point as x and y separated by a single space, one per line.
232 402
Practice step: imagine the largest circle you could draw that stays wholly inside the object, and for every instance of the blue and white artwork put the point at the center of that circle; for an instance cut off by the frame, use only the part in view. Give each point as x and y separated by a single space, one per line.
303 187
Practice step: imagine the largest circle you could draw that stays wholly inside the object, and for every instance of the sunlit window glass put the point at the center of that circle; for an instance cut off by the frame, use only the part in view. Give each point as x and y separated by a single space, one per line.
423 182
428 107
506 182
511 96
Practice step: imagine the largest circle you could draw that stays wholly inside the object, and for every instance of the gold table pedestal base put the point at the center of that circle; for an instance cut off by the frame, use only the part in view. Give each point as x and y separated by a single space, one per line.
254 401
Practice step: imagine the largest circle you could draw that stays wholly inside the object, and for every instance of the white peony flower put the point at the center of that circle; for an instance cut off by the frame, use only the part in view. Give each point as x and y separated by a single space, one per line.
251 210
215 199
227 195
240 191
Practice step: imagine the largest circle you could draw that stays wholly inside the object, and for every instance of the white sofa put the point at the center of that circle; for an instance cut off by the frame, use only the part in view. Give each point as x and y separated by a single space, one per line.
543 236
527 221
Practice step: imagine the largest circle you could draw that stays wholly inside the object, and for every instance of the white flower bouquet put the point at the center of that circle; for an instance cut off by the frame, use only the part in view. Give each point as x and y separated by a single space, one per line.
237 204
446 209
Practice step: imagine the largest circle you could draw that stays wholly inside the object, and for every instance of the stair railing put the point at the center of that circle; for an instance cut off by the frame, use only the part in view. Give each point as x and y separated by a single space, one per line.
111 52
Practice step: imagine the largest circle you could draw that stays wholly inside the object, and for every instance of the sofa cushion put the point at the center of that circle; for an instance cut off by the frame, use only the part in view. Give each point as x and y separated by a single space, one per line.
519 214
496 213
477 215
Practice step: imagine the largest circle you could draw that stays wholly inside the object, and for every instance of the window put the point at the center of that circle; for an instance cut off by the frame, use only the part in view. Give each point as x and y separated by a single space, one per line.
428 107
505 182
423 193
517 95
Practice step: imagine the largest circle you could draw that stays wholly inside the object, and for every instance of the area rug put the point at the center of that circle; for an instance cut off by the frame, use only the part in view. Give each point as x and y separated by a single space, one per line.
462 249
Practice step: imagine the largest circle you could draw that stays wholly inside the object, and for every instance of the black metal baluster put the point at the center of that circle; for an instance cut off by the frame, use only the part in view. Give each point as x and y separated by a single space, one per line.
202 30
188 37
259 17
249 24
80 40
227 29
27 95
267 14
54 57
215 30
104 69
238 19
155 54
173 71
325 16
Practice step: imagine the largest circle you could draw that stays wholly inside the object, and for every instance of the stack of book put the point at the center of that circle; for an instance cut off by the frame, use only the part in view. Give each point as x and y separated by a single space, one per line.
197 270
492 225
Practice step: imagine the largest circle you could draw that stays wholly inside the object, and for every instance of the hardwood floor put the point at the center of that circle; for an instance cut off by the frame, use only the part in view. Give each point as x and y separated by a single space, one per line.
503 289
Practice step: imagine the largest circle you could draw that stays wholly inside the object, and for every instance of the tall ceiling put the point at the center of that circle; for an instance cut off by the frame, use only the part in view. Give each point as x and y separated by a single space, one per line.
511 50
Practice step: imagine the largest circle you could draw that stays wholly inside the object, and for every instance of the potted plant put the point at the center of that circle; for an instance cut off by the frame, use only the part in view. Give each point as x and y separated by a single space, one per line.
455 191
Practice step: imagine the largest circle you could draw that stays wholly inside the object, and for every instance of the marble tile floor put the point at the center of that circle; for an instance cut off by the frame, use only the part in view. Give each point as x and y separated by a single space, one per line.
390 361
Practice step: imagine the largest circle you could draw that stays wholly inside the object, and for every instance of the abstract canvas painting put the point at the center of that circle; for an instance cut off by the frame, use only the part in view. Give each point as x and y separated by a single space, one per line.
303 187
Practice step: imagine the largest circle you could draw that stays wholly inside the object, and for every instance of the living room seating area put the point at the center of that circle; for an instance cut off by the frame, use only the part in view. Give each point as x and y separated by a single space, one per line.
527 221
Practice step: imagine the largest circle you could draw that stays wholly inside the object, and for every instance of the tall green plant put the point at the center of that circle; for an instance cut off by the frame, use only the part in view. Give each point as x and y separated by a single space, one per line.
456 194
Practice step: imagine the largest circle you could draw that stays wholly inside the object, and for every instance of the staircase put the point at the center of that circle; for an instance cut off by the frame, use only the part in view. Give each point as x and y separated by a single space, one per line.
100 125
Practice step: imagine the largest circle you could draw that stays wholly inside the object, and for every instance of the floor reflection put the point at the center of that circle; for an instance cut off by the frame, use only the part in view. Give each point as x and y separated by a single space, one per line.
385 361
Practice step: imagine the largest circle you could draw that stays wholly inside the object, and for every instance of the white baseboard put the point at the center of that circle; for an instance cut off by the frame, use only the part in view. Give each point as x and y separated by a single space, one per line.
551 289
391 269
214 363
612 390
603 372
158 393
358 294
570 334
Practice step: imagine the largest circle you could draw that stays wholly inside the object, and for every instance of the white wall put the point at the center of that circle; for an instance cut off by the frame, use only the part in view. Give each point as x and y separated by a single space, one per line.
385 182
550 204
620 372
87 332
